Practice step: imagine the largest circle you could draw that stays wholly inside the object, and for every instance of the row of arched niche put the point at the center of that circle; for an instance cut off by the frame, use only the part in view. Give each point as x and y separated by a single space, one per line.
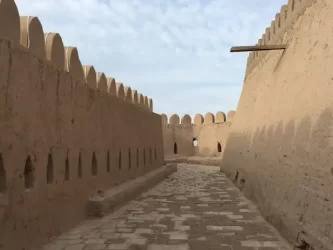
209 118
28 31
195 144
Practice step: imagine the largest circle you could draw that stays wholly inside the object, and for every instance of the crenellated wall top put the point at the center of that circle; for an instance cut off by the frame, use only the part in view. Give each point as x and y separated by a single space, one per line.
27 31
274 34
199 119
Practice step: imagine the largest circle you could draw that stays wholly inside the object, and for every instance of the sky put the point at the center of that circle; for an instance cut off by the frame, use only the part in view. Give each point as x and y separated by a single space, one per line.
173 51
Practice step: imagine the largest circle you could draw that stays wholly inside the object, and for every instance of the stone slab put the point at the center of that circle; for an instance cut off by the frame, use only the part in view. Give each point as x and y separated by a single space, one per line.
110 200
156 220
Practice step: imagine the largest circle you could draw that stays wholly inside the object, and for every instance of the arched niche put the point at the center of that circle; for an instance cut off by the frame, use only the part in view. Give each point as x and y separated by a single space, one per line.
175 148
194 142
219 147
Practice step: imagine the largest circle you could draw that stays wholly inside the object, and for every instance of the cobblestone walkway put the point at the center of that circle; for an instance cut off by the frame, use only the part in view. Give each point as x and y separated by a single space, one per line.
196 208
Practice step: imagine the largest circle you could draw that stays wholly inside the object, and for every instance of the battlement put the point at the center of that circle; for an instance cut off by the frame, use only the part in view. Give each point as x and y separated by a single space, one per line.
275 33
209 118
26 32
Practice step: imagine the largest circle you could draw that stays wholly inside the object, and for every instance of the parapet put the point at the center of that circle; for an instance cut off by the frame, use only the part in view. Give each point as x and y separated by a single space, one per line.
164 119
73 64
135 97
198 119
174 119
90 76
275 32
186 120
231 115
221 117
112 88
32 35
101 82
150 104
9 21
209 118
141 99
128 94
53 50
27 32
120 90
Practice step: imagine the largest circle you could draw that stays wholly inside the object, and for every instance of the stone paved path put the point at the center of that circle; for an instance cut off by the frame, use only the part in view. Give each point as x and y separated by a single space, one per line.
197 208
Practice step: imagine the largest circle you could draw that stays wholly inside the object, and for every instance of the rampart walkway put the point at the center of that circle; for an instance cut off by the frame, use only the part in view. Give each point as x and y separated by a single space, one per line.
196 208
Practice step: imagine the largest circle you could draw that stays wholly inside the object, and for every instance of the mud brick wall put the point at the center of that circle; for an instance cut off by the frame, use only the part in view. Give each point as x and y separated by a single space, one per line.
280 148
66 132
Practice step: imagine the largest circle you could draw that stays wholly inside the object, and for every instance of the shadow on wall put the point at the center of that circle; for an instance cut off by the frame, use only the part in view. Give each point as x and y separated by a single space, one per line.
288 172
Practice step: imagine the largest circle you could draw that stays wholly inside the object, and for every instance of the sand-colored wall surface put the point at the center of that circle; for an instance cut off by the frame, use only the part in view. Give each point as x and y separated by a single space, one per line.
280 147
67 132
204 136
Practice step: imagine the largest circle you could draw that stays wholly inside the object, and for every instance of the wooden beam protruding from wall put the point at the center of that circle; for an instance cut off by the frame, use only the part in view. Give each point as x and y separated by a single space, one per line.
258 48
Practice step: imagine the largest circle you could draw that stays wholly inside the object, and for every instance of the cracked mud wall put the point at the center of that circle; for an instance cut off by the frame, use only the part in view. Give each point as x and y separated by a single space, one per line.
280 146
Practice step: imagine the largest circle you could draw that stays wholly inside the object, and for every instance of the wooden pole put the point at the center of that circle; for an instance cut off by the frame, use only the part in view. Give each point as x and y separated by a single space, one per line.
258 48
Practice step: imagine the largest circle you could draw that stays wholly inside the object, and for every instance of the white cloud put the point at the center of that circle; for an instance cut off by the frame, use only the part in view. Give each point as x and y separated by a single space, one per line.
175 51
